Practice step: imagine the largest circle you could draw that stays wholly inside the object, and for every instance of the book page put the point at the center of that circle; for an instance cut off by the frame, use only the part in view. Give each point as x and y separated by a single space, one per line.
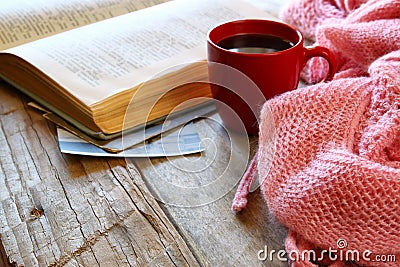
101 59
23 21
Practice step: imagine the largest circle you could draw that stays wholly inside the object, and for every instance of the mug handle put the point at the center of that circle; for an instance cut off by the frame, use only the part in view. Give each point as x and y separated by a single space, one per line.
320 51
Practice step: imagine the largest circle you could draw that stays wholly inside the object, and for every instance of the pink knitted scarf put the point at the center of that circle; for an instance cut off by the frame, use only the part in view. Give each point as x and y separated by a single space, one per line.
330 169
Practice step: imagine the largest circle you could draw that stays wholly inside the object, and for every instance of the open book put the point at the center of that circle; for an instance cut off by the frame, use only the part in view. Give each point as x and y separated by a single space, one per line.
104 67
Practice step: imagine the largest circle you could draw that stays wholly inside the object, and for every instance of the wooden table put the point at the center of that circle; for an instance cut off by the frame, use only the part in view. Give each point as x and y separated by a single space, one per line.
65 210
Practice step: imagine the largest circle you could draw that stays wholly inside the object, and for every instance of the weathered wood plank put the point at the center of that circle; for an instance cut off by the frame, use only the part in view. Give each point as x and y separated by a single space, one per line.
64 210
218 236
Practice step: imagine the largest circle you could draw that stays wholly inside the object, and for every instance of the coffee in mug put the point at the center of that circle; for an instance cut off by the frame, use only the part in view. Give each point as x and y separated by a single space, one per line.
255 43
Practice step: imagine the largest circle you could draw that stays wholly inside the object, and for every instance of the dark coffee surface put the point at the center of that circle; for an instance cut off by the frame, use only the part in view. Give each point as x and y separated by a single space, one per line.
255 43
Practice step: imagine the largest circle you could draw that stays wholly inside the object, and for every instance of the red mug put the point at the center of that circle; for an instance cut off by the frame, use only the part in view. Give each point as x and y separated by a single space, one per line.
253 60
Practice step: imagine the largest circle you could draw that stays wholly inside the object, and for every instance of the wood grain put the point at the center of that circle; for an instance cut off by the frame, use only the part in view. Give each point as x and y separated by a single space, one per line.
218 236
63 210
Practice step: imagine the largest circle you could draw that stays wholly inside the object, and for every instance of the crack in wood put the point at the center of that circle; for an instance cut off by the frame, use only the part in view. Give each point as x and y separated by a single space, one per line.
63 260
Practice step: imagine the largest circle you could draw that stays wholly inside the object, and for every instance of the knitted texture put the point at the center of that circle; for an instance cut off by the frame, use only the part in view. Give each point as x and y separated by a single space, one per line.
357 32
329 154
